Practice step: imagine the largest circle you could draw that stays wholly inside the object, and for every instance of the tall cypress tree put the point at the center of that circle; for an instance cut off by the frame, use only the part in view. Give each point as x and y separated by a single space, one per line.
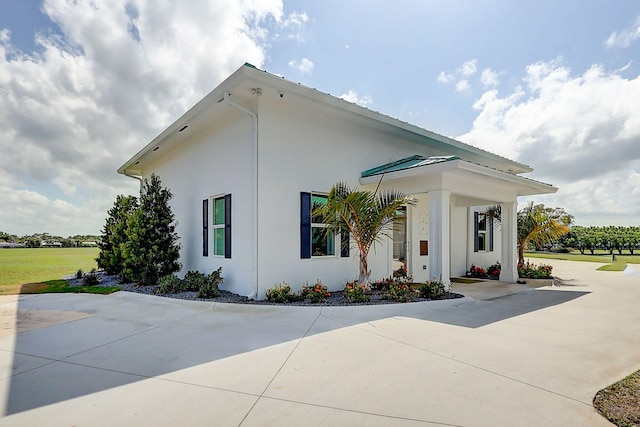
151 250
114 234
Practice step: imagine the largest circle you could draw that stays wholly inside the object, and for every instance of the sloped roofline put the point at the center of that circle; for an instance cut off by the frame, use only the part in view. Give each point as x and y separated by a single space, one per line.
250 72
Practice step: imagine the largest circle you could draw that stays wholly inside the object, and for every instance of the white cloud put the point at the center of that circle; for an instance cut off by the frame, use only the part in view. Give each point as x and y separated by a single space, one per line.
445 78
292 27
579 132
352 96
461 76
119 72
625 37
489 78
305 66
296 19
469 68
463 85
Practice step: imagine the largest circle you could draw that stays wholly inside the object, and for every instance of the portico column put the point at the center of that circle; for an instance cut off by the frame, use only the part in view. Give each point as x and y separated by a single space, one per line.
439 239
509 249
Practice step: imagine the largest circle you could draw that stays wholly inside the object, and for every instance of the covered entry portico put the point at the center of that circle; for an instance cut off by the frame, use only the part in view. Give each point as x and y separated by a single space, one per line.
452 188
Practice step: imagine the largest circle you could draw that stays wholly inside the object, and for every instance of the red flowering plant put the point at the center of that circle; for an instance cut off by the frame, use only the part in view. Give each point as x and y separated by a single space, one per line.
315 293
531 271
476 271
400 291
356 292
494 270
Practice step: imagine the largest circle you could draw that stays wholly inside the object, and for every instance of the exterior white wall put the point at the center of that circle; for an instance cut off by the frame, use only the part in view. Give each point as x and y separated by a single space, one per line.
308 147
215 162
419 230
459 235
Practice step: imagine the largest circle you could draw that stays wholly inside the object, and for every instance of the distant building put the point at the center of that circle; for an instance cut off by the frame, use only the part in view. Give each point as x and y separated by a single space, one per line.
12 245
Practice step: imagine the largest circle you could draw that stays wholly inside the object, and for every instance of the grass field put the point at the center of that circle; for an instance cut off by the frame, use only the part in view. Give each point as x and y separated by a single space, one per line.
24 265
605 258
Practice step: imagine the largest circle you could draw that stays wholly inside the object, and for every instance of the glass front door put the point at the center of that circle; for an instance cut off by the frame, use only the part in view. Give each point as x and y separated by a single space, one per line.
400 239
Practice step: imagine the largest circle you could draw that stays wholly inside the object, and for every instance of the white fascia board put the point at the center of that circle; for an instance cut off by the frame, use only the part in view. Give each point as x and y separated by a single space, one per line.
211 98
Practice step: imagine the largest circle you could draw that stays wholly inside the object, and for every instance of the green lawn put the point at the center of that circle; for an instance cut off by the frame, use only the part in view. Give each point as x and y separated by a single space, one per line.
24 265
61 286
605 258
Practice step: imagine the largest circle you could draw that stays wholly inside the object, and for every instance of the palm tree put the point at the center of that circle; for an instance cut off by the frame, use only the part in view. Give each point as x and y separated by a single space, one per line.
540 226
365 215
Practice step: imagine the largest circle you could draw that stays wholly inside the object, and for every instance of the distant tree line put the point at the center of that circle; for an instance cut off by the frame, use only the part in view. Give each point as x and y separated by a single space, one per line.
609 238
45 239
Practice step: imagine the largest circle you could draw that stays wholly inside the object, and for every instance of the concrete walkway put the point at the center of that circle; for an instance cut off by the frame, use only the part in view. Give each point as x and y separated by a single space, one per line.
534 357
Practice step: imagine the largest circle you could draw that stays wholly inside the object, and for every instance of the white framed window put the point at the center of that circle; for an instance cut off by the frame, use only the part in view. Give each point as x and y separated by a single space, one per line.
482 232
217 225
323 243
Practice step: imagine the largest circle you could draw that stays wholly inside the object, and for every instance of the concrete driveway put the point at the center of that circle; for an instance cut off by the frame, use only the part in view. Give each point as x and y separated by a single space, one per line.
533 357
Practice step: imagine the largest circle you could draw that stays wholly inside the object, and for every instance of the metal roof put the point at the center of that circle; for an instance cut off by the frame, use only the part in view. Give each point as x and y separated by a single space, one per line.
407 163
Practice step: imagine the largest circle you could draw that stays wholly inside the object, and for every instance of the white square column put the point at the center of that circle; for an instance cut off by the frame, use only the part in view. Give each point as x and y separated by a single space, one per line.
439 236
509 256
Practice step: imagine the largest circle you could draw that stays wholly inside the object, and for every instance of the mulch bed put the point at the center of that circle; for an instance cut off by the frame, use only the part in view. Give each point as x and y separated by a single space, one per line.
620 402
336 298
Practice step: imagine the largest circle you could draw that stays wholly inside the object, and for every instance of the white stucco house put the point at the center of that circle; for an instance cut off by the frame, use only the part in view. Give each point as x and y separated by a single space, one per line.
247 161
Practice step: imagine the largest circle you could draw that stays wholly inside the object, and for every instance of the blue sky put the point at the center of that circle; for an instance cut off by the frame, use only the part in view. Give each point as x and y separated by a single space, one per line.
86 84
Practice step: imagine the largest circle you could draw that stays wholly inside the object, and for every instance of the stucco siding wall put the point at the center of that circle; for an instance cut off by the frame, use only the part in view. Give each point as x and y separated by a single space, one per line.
419 226
308 148
459 235
214 162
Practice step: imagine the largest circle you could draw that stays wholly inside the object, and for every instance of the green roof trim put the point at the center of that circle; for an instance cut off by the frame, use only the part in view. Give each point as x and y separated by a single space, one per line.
407 163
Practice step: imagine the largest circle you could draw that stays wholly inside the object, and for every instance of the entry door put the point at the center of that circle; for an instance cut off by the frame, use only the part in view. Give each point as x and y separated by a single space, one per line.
400 243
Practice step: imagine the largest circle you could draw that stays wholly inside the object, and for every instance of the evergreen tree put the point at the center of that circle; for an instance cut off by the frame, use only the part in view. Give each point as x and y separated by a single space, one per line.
114 234
151 250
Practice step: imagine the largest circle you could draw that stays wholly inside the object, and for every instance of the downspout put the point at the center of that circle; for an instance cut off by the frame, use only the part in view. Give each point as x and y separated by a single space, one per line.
254 117
134 177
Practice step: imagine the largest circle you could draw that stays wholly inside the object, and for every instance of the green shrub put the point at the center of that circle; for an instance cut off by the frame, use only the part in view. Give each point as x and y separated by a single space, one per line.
356 292
91 279
399 291
432 290
316 293
193 281
282 294
79 273
169 284
210 285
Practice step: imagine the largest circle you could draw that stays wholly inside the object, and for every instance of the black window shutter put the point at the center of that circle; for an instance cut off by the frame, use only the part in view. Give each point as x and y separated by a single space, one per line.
344 241
476 243
205 227
305 225
490 234
227 226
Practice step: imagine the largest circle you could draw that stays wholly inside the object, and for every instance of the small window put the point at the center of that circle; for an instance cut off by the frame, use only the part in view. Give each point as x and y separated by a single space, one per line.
483 232
322 242
220 226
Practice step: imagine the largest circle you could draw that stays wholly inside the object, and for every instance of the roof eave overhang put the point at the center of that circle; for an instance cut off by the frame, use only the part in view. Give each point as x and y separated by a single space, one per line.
526 186
262 77
212 98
